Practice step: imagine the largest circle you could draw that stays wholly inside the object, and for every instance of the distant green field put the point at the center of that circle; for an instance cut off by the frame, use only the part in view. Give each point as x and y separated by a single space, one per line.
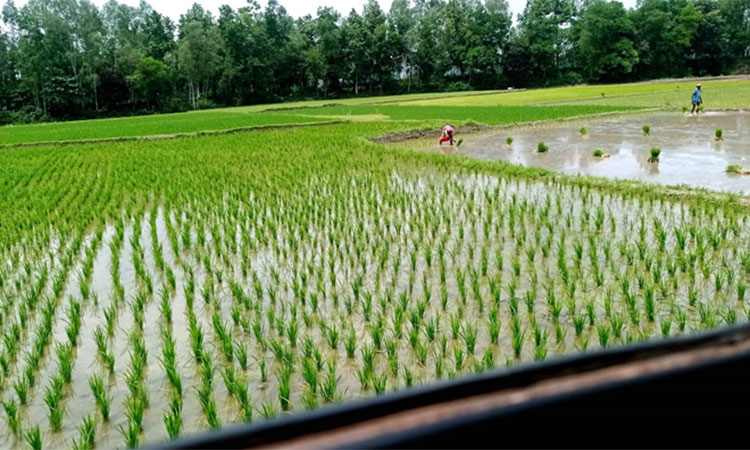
461 114
218 120
355 101
163 124
717 94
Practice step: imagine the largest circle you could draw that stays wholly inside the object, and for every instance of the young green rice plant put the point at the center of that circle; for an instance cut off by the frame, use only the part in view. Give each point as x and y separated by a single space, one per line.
729 316
542 148
65 361
53 398
646 130
243 399
329 387
208 405
604 333
469 335
86 434
719 134
368 357
582 131
12 416
692 295
101 398
599 153
666 327
364 379
493 328
719 281
310 374
379 383
173 418
21 387
508 141
131 434
649 303
268 411
590 312
33 437
579 322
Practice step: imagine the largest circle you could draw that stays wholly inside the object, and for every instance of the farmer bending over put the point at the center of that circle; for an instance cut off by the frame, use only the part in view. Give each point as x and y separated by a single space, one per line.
447 135
697 99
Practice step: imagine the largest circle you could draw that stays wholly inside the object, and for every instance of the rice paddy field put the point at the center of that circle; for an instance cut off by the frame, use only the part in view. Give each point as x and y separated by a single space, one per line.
151 289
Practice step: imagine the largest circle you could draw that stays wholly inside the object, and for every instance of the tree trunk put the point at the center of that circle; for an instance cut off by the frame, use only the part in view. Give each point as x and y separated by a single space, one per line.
96 97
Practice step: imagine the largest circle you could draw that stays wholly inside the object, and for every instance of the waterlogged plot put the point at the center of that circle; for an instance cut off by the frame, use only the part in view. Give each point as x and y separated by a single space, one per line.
190 312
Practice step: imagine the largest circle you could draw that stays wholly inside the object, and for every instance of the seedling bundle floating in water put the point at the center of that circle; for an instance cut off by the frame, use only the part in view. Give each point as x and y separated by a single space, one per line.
654 155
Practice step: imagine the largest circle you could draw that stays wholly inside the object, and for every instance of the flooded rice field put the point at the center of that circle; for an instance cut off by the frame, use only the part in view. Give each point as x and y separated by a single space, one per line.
690 153
185 317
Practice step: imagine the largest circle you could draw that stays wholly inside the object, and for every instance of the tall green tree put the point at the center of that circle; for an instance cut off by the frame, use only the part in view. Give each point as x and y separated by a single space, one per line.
198 52
605 42
546 25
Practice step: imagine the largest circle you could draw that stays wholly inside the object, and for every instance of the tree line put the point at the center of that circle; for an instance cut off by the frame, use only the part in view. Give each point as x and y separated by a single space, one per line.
62 59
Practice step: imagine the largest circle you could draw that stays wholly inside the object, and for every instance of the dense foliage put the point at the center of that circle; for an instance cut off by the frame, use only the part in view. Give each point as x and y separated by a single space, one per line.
67 58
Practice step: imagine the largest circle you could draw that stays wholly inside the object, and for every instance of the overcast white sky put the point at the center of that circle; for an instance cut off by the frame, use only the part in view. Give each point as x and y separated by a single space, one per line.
296 8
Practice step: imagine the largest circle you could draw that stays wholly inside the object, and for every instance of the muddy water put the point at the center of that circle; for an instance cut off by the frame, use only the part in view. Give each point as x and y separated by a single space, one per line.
690 154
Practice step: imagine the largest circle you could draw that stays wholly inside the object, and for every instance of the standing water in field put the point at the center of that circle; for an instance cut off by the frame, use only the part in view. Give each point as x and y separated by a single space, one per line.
690 152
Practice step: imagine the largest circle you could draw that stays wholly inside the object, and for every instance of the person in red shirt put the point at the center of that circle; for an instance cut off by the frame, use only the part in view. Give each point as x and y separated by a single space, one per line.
447 135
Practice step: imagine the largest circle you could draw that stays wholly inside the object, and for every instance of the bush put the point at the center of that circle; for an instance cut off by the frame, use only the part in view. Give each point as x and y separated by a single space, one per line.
457 86
207 104
27 114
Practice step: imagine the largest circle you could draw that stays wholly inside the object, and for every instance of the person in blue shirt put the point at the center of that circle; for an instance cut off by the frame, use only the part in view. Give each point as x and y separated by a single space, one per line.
697 99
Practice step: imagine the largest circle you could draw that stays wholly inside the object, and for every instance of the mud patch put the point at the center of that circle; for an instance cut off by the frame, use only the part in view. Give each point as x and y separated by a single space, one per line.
424 134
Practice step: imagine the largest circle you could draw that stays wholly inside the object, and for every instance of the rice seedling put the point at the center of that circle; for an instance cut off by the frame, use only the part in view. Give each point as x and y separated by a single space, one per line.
102 399
735 169
719 134
604 333
508 141
131 434
646 130
654 155
33 437
12 417
542 148
86 434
